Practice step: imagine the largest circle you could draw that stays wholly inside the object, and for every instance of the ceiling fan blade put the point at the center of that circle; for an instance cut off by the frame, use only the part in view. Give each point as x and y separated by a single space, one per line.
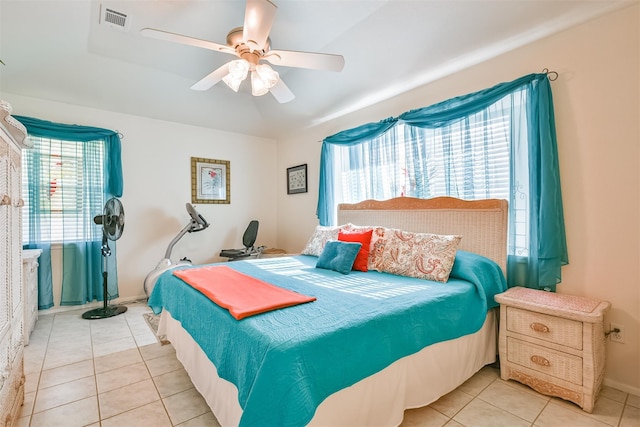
281 92
315 61
258 19
190 41
211 79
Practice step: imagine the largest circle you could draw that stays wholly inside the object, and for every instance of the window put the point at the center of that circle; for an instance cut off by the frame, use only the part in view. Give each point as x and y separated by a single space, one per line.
427 163
469 160
67 184
499 142
67 176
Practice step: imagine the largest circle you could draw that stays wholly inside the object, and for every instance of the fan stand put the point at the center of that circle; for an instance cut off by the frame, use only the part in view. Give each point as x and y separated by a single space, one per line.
106 310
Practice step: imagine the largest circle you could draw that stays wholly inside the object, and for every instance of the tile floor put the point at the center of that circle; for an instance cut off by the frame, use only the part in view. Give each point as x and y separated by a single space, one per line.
112 372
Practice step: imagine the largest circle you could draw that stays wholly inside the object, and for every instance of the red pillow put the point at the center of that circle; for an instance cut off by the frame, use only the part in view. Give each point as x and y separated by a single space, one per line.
362 260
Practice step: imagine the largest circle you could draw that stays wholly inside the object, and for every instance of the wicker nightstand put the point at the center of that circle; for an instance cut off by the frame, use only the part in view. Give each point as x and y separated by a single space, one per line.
553 343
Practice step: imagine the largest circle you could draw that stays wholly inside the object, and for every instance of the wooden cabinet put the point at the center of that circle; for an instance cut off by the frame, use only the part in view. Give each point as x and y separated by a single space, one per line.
30 290
12 138
553 343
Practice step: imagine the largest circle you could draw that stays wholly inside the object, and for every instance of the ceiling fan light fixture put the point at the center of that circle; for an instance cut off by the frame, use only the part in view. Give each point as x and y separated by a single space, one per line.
232 82
263 78
258 86
267 74
238 70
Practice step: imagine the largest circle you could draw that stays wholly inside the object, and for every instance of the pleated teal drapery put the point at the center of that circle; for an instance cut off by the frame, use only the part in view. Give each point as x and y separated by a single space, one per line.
534 170
81 257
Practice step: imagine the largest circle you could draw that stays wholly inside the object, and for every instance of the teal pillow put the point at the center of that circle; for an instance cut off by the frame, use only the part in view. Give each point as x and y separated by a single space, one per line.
338 256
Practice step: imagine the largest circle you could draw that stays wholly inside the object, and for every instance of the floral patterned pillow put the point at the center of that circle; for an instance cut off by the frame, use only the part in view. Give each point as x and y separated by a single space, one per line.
377 240
319 239
422 255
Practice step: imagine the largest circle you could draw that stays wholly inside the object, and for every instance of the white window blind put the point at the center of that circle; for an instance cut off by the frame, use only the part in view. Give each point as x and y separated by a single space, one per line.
469 160
61 180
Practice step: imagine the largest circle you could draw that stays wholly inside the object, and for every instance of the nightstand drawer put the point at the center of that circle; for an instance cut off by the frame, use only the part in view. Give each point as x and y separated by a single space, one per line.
557 364
549 328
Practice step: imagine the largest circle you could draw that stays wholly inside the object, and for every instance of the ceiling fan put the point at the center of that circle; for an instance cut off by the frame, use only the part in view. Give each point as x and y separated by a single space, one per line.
251 44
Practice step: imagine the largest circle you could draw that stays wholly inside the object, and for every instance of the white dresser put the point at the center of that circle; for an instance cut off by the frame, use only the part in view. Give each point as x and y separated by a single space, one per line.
30 289
12 140
553 343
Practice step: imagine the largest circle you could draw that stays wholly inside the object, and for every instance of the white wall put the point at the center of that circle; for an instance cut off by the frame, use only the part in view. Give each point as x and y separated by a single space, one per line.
596 102
157 184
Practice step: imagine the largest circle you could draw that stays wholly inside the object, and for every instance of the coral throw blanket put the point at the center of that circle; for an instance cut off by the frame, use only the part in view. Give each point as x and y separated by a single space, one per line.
239 293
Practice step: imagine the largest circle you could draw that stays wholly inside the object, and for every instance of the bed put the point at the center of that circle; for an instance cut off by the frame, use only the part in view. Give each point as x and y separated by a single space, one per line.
370 346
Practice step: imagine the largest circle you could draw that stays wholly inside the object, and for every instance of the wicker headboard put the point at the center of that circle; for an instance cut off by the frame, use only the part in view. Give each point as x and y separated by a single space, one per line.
481 223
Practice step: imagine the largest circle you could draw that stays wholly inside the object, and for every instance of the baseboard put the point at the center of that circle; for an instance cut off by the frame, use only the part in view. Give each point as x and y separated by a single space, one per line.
621 386
65 308
95 304
135 299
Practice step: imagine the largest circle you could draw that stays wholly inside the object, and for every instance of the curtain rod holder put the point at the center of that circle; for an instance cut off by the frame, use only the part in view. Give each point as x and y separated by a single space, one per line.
551 75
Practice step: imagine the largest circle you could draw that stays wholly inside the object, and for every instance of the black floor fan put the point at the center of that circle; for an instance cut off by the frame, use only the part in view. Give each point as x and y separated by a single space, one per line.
112 221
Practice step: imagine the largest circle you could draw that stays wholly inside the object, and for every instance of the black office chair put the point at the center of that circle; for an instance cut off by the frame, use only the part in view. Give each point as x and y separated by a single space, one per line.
248 240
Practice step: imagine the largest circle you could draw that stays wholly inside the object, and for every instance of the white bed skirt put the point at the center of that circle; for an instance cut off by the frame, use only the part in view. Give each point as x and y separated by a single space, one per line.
379 400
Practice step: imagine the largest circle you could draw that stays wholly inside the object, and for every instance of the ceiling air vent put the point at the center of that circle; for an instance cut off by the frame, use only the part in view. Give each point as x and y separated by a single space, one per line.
114 18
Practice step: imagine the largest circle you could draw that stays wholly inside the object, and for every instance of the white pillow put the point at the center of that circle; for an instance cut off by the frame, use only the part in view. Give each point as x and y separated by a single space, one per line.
319 239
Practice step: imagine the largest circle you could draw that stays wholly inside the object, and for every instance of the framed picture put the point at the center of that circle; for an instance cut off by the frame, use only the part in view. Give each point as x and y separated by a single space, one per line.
297 179
210 181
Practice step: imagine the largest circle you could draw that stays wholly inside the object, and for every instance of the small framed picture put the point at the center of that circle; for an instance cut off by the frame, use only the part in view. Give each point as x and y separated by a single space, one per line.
210 181
297 179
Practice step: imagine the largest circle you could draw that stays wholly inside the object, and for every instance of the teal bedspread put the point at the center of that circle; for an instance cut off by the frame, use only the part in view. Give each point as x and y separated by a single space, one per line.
286 362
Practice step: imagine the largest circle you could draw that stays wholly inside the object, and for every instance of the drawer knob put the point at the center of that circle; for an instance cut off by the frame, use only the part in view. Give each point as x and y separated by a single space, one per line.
539 327
6 200
539 360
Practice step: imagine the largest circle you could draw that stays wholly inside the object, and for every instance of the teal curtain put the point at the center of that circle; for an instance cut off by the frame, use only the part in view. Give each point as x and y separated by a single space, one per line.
82 281
100 151
45 289
533 170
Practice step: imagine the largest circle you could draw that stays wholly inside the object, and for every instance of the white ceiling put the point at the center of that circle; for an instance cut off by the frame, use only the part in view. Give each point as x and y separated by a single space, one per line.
59 50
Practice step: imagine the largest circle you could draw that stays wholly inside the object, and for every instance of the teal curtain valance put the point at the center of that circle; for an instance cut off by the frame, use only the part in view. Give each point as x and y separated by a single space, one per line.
67 132
362 133
458 108
437 115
